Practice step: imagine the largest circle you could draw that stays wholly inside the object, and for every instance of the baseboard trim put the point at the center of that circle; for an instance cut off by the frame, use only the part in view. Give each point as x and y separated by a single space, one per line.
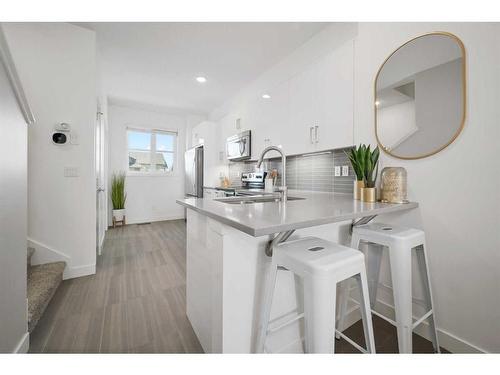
23 345
447 340
46 254
79 271
148 220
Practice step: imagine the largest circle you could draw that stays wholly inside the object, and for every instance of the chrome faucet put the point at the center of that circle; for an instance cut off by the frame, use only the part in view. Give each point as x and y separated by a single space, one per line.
282 189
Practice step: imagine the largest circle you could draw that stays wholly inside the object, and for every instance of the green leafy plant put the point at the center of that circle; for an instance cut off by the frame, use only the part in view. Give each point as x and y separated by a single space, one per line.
371 166
118 195
357 158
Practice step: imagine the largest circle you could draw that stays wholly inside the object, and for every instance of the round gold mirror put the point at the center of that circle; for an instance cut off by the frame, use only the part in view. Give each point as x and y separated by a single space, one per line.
420 96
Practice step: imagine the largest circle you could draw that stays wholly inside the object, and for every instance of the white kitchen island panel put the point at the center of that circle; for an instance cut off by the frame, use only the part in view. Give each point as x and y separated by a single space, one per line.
226 271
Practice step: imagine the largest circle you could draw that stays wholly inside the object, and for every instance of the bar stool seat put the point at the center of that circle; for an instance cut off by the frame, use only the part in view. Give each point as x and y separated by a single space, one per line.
400 241
321 265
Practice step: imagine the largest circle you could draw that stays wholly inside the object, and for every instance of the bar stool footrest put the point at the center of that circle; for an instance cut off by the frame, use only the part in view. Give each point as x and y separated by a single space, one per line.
350 341
284 324
414 325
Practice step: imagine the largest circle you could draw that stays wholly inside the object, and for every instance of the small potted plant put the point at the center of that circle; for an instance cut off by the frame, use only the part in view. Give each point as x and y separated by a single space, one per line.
357 158
368 193
118 197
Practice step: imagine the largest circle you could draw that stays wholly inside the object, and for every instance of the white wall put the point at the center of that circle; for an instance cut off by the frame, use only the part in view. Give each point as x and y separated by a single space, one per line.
457 189
13 219
56 64
149 198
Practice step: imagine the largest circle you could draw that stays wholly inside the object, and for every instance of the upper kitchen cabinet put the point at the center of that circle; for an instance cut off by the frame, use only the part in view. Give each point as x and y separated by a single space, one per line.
308 112
321 104
335 99
271 118
303 111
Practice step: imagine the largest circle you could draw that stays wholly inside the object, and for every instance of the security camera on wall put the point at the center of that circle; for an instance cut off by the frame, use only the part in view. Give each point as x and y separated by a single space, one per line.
62 134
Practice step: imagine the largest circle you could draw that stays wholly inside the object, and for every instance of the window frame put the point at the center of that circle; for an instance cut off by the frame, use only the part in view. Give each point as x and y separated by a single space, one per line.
153 132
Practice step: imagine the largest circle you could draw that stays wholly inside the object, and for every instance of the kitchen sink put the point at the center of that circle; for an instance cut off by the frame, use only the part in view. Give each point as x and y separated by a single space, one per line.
254 199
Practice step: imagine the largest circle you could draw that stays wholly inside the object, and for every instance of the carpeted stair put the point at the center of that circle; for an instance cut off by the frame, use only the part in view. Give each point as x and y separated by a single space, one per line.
43 281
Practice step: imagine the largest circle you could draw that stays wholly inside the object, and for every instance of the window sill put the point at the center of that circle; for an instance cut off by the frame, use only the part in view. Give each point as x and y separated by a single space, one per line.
152 174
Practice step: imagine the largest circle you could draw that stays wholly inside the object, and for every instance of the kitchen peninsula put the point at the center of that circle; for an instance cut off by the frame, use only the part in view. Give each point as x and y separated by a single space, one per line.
227 262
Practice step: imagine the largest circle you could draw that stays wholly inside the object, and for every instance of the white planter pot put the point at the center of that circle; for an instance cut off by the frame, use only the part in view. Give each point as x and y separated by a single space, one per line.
119 214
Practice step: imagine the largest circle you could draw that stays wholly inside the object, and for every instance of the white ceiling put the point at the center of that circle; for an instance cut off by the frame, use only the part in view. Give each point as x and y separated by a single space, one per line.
156 63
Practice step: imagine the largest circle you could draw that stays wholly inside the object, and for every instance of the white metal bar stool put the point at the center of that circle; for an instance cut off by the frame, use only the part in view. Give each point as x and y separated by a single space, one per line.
400 242
321 265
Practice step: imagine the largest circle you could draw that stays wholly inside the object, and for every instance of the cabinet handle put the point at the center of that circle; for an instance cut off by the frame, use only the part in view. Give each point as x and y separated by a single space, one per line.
316 133
311 135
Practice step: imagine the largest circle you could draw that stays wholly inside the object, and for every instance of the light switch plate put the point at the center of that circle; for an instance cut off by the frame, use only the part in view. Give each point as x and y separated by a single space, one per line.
71 172
73 138
337 171
345 170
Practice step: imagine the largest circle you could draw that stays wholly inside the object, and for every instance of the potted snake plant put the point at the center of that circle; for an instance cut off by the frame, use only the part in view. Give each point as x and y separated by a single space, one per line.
356 156
118 197
369 191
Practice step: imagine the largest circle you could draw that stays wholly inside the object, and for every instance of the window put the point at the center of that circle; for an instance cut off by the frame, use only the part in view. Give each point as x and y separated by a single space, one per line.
151 151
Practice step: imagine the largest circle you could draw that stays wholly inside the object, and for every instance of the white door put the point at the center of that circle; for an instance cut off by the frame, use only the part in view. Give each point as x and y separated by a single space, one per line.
101 201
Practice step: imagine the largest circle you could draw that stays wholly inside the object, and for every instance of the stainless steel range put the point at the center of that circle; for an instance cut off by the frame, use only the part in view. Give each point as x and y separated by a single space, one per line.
252 183
253 180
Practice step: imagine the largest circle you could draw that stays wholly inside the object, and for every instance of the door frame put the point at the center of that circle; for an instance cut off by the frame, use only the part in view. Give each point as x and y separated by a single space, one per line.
100 151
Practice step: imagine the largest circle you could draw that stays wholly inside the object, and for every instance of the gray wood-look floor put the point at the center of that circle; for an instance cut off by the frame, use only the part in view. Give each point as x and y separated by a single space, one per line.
135 302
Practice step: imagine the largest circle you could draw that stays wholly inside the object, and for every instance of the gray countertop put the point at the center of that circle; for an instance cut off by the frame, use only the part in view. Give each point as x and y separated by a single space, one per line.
259 219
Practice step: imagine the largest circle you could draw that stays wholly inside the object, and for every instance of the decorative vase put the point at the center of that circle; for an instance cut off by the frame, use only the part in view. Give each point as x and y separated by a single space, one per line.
118 214
358 185
368 195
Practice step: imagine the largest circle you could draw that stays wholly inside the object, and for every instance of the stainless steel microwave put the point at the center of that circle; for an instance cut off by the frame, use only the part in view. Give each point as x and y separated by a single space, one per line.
239 146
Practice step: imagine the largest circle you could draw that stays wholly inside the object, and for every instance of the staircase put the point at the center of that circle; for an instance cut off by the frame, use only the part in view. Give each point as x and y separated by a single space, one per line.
43 281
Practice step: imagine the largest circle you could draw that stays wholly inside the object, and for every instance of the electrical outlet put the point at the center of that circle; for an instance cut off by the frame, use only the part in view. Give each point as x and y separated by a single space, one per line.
345 170
71 172
238 123
337 171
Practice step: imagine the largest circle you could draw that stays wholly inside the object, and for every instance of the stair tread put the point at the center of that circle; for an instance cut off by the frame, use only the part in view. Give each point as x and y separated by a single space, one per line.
43 281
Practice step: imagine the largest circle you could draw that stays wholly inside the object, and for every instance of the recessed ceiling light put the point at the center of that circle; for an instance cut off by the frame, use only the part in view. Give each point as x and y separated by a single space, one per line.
266 96
201 79
377 103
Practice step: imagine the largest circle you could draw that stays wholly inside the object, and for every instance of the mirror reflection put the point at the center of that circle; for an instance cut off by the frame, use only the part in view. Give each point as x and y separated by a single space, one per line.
420 96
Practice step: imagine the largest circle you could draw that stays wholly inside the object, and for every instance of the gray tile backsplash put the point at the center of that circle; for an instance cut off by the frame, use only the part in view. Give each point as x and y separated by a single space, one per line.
311 172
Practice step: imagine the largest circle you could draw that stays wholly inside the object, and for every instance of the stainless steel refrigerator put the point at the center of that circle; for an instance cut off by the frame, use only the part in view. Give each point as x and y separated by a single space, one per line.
193 160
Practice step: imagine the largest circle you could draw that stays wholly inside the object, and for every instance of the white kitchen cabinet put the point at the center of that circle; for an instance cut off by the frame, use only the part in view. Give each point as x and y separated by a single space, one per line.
213 194
272 118
303 111
321 104
335 99
209 193
308 112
